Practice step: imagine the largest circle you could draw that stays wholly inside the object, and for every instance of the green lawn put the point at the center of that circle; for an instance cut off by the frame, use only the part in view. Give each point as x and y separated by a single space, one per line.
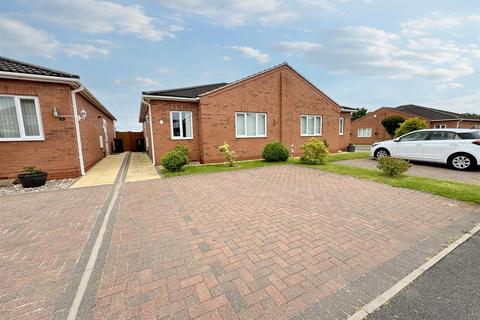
220 167
450 189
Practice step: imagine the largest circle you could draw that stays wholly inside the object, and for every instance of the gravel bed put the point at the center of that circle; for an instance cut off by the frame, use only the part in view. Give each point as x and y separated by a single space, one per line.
49 186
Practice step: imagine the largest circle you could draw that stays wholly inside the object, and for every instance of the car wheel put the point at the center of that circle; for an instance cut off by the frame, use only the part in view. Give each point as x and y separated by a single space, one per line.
461 161
381 152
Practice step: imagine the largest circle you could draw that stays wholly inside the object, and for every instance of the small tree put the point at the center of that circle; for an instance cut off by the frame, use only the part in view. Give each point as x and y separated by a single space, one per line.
392 123
229 154
410 125
359 113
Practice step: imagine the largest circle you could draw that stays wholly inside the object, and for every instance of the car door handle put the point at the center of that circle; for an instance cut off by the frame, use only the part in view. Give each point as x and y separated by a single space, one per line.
454 145
419 144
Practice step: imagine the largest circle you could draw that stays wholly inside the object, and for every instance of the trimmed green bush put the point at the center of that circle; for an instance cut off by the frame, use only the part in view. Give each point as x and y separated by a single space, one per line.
410 125
182 149
314 152
275 152
393 167
174 160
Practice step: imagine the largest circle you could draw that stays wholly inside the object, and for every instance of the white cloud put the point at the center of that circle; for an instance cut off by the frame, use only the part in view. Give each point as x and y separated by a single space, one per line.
420 26
449 85
233 13
226 58
136 81
100 17
252 53
85 51
21 39
372 52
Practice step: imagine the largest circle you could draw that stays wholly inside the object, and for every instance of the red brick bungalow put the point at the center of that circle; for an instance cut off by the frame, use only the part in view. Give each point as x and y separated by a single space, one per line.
277 104
38 126
369 128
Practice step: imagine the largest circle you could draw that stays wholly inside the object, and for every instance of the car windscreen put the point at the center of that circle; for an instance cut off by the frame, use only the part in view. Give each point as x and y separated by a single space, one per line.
469 135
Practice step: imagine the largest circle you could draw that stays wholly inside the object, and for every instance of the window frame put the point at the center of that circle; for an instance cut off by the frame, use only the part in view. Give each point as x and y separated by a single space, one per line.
180 118
314 124
21 126
341 126
364 136
440 126
256 125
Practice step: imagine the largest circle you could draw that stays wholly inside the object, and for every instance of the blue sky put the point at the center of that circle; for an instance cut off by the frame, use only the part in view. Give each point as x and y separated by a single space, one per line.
362 53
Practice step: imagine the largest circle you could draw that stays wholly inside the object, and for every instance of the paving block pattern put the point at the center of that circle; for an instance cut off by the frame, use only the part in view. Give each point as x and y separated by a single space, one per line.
42 236
271 243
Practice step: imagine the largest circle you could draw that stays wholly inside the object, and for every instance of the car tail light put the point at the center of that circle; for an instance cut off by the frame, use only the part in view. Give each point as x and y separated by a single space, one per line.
477 142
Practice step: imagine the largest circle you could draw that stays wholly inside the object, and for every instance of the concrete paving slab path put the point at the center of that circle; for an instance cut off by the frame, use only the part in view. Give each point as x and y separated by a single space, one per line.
141 168
102 173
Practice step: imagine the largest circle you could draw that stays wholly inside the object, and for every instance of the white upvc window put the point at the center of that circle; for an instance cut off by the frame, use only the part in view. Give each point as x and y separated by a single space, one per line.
341 125
364 132
310 125
440 126
250 124
181 125
20 118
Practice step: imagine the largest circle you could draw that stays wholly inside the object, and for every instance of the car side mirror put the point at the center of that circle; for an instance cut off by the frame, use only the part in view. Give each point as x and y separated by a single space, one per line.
396 140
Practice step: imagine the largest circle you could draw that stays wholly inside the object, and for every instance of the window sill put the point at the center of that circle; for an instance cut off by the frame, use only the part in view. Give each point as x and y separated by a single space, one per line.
310 135
177 138
21 139
251 137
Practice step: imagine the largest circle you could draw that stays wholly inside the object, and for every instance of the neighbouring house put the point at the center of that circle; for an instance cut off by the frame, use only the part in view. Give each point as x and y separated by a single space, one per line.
369 128
48 119
277 104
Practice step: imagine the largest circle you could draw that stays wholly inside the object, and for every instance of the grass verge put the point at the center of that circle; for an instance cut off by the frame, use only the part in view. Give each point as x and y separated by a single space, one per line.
221 167
449 189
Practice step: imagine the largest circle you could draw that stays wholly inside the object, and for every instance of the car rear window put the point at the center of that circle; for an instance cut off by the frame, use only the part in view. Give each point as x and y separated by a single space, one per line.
469 135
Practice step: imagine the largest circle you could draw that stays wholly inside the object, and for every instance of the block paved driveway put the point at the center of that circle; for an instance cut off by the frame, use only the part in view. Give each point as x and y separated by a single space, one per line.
270 243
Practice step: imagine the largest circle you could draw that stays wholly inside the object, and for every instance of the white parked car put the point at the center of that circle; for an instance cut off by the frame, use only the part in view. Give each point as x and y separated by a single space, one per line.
459 148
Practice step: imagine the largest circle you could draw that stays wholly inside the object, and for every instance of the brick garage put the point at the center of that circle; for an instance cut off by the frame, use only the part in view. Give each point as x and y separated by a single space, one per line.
280 94
55 150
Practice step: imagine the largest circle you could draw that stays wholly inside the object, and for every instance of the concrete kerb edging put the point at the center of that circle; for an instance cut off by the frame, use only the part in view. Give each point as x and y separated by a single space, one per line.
396 288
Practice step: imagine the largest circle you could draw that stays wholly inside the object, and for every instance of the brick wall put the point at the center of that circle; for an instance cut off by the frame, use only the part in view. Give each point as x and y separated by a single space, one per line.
91 129
454 123
281 93
161 132
57 154
373 120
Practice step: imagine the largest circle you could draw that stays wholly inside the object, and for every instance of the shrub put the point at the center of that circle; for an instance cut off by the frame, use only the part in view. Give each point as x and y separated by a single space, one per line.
229 154
325 142
182 149
410 125
274 152
31 170
174 160
392 123
314 152
392 167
